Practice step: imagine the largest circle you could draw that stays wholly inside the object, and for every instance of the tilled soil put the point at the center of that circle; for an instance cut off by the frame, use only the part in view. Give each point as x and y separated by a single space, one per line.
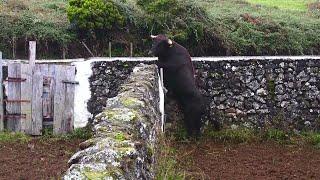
210 160
37 159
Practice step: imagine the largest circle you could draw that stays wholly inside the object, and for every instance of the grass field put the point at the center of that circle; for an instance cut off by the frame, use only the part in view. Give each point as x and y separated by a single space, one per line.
50 11
300 5
265 30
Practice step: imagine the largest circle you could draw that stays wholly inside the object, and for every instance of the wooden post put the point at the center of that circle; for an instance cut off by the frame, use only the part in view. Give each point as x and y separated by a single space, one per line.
32 53
84 44
1 96
131 49
64 51
13 47
110 49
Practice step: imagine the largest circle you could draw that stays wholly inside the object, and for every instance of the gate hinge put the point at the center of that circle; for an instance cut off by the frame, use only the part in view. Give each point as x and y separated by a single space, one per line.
70 82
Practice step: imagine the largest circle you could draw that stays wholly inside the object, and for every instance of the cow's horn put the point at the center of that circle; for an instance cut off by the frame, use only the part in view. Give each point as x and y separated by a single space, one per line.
152 36
170 42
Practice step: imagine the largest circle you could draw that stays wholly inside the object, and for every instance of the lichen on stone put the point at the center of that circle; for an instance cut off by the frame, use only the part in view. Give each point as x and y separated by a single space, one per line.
131 102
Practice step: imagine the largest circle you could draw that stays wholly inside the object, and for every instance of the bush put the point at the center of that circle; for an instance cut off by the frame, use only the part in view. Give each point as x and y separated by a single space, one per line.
27 27
185 22
94 14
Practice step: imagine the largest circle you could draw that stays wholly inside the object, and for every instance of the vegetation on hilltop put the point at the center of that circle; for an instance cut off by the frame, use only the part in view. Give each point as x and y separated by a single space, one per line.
40 20
251 29
206 28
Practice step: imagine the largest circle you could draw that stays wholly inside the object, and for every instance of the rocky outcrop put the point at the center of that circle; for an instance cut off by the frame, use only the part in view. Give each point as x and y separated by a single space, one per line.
125 132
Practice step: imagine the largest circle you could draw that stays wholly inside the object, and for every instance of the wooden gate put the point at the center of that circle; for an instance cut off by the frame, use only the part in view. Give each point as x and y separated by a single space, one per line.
38 96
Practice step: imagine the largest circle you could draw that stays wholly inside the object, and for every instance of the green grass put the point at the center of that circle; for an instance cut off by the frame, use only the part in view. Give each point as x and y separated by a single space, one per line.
300 5
49 11
240 135
167 165
6 137
79 133
249 30
245 135
312 138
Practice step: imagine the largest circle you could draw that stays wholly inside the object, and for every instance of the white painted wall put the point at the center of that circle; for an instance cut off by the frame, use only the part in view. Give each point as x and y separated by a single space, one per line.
82 93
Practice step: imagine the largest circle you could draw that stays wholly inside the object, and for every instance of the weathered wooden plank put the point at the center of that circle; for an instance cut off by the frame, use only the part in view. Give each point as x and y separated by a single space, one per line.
51 74
64 99
1 96
14 93
69 100
26 94
59 99
46 90
37 90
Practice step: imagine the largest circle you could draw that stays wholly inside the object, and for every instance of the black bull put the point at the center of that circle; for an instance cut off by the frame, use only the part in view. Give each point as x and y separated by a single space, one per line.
180 80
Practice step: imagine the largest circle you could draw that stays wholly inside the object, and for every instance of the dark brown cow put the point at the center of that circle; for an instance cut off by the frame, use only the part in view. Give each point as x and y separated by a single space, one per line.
179 78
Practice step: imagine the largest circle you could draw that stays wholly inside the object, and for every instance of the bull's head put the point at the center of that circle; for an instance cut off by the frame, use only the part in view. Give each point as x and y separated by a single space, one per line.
160 44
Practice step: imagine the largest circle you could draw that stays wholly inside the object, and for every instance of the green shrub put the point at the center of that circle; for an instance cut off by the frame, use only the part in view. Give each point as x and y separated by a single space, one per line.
27 26
183 21
94 14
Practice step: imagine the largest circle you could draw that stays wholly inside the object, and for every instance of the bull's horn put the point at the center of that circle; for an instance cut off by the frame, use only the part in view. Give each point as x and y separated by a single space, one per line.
170 42
152 36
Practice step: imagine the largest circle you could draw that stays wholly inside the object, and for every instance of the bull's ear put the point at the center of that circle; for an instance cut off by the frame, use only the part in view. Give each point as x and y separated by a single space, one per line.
170 42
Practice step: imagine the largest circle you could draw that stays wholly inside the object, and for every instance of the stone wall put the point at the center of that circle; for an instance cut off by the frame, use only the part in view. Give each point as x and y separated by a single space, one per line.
252 91
278 92
125 132
106 80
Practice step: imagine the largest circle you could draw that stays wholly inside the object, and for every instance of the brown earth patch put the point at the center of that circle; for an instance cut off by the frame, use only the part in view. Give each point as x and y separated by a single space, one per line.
314 6
36 159
211 160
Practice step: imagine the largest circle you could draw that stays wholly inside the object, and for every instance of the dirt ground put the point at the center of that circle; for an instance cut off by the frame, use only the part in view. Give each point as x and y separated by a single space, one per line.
40 159
210 160
37 159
